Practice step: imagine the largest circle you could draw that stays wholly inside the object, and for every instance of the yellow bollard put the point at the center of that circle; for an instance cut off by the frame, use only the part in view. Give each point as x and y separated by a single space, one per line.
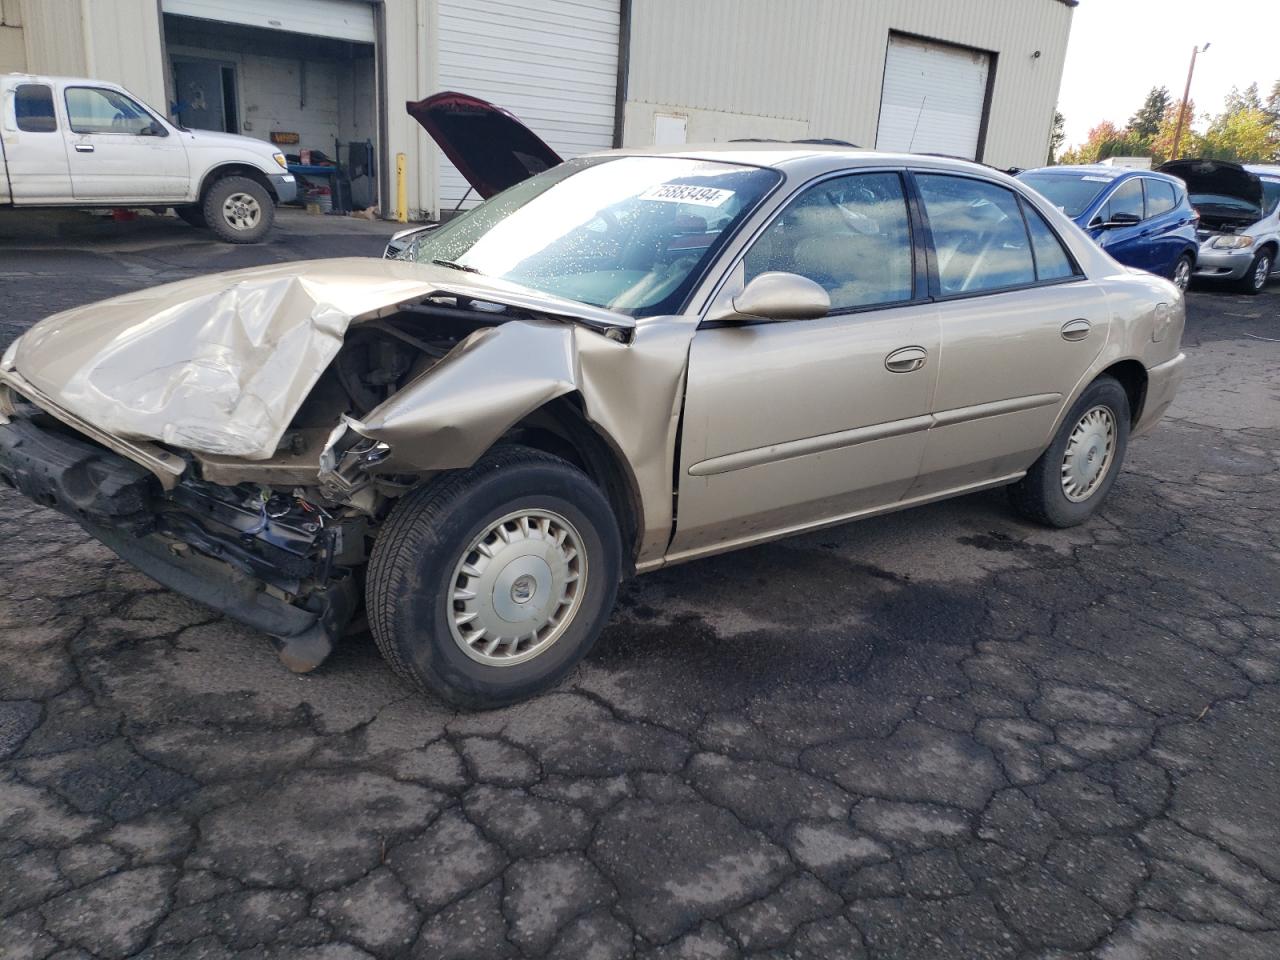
402 190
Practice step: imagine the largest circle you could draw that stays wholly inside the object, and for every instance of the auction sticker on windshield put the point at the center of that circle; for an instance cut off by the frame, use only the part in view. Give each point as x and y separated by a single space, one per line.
687 193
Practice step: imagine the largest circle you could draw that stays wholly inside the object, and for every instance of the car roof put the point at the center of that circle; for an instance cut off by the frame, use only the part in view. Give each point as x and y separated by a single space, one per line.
809 159
1102 170
46 78
1269 170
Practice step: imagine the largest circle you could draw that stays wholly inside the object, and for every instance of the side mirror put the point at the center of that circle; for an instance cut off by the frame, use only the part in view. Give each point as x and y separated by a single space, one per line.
778 296
1121 219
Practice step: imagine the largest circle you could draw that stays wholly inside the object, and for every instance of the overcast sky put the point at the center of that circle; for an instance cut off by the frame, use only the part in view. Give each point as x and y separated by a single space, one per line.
1120 49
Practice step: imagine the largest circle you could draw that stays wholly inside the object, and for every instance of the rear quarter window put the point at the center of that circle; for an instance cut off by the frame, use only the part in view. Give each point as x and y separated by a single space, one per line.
33 108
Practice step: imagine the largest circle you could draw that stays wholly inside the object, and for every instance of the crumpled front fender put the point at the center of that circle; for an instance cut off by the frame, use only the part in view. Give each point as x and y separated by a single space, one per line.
452 414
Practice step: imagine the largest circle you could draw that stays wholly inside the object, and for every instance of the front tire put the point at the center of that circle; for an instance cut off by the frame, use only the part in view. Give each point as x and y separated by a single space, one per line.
489 584
1067 485
239 210
1255 280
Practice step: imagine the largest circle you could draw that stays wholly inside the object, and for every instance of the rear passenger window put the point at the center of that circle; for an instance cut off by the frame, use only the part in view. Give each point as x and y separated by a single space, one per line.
33 108
849 234
1161 197
978 234
1052 260
1125 204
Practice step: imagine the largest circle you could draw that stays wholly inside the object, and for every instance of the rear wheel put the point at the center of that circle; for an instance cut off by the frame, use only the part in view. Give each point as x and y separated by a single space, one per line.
1182 270
193 215
1072 478
488 585
239 210
1255 280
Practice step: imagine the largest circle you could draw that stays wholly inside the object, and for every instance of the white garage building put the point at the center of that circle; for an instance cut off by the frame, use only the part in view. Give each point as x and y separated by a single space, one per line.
975 78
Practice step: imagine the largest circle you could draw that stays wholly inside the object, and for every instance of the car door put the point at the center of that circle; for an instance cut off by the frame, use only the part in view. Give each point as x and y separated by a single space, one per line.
1166 226
790 424
34 149
1020 326
119 151
1118 227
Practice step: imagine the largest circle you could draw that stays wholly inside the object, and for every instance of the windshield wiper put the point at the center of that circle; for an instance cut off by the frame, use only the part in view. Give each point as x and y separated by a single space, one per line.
454 265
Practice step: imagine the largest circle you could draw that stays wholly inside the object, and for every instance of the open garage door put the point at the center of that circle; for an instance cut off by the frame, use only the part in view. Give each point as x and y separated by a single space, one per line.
553 63
339 19
934 98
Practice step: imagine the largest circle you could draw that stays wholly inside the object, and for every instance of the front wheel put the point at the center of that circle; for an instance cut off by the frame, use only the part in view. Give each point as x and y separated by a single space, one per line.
1255 280
239 210
1068 483
489 585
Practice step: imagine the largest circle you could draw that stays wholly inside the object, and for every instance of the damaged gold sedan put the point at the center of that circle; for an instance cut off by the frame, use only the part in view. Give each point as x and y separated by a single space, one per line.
625 361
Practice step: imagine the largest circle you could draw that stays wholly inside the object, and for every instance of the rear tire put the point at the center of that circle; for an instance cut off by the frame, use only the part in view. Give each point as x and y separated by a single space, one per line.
1182 270
239 210
522 551
193 215
1067 485
1255 281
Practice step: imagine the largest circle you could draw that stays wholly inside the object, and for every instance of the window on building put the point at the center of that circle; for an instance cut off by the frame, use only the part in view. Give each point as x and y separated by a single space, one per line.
1161 197
851 235
33 108
94 110
978 234
1052 260
1126 202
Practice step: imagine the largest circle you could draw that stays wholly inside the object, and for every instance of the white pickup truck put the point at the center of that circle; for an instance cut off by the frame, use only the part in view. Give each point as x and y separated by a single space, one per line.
69 142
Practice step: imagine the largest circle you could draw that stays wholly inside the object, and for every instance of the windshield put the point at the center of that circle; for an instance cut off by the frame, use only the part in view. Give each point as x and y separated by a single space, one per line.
1270 196
632 234
1225 203
1070 193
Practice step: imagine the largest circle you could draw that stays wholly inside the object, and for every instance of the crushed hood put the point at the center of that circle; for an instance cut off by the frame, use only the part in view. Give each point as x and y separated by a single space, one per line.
488 145
1216 176
221 364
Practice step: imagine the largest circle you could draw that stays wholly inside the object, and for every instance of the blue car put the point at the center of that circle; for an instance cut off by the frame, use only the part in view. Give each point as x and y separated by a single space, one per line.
1140 217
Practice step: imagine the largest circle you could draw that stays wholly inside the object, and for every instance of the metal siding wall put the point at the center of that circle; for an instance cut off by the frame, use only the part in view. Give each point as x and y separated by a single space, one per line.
409 55
13 53
553 63
123 46
54 36
820 62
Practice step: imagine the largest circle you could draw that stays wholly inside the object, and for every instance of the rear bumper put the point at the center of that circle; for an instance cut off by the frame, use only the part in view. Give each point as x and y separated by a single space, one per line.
122 504
1162 385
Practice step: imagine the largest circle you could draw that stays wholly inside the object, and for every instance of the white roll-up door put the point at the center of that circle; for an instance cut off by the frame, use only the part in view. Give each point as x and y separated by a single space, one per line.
340 19
933 98
553 63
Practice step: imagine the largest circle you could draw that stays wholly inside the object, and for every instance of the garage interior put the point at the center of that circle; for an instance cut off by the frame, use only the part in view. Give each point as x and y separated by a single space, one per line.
313 95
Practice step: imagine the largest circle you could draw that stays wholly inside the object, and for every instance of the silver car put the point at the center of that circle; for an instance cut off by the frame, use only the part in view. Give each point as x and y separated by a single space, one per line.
1239 230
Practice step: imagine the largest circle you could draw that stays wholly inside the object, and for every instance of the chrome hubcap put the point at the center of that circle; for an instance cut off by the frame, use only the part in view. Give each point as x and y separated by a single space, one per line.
1182 275
1261 272
517 587
241 211
1090 450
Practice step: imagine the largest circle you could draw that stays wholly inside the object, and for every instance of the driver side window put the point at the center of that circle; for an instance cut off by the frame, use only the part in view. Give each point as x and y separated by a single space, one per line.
851 235
94 110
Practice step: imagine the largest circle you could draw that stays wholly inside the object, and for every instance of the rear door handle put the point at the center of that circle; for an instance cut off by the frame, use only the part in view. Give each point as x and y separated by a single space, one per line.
84 148
1076 329
906 359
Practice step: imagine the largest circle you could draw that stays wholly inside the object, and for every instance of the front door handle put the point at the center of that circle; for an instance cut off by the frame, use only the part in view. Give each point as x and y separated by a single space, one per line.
1076 329
84 148
906 359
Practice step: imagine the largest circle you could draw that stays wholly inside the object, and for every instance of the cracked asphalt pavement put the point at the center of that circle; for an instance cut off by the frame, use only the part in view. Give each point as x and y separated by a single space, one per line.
940 734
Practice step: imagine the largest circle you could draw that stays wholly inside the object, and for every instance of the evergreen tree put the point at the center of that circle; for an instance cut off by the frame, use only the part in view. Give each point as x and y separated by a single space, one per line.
1146 122
1058 134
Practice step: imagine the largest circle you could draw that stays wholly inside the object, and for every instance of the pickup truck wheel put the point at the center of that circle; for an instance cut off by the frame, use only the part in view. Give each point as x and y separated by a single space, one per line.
488 585
1067 485
193 215
239 210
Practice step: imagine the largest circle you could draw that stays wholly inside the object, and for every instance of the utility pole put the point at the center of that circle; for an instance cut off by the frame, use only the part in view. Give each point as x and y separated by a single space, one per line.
1182 107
